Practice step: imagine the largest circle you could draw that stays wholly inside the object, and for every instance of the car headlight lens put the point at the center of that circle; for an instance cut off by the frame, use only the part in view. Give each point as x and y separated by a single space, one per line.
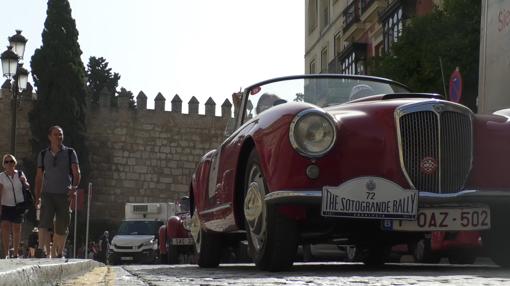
186 223
148 243
312 133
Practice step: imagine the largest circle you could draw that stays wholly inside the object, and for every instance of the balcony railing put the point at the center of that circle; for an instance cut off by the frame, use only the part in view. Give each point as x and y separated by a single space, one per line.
351 15
364 5
354 10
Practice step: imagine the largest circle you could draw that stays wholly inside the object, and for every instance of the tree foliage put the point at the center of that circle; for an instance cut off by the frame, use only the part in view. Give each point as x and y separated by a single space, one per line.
450 36
126 93
59 77
100 76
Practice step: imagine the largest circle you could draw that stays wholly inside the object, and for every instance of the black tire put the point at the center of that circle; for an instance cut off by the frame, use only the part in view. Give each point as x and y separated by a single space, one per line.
272 238
208 249
162 259
496 240
241 252
172 254
422 252
351 253
461 256
307 253
376 255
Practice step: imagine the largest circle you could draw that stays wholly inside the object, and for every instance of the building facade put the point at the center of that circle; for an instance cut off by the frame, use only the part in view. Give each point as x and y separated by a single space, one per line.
340 35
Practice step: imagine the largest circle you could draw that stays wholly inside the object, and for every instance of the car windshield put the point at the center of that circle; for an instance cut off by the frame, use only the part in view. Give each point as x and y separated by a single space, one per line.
139 227
321 91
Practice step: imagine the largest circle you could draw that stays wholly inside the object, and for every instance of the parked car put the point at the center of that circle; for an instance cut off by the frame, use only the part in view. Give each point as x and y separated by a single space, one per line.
461 247
178 247
313 158
175 242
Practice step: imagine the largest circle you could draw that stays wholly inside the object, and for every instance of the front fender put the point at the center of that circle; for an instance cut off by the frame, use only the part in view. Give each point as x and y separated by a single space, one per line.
175 228
162 239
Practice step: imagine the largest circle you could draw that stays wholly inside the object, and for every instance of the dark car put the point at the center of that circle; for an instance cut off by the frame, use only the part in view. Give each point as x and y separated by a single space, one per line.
316 158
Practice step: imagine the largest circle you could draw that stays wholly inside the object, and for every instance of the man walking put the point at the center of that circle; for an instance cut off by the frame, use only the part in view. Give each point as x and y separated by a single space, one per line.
58 176
104 246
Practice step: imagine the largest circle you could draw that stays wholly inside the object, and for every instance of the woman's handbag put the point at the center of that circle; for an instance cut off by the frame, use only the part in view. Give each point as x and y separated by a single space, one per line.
28 198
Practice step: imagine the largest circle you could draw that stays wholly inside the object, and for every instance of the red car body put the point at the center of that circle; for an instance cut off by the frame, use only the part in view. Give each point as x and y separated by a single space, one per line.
261 184
175 241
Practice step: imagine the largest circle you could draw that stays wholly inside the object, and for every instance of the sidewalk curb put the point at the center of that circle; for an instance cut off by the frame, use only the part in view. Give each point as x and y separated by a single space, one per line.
47 273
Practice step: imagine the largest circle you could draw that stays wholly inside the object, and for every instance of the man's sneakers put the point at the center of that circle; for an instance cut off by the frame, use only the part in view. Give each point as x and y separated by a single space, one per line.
39 253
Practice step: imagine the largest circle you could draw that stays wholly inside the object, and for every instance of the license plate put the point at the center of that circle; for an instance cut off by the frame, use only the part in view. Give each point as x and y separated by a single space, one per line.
444 219
182 241
369 197
125 258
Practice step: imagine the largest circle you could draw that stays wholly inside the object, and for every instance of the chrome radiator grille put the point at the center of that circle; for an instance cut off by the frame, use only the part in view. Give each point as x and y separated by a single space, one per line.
435 144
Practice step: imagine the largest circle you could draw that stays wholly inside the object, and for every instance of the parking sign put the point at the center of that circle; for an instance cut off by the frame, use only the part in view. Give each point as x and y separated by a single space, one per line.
455 86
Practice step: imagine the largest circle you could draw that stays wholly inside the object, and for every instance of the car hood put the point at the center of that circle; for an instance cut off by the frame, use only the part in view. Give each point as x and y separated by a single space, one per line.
130 240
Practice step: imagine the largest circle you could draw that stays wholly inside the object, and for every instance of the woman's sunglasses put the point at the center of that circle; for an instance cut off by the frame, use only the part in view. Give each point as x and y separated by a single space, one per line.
8 161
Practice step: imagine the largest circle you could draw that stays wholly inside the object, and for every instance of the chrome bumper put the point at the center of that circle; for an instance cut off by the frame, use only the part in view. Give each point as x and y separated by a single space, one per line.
314 197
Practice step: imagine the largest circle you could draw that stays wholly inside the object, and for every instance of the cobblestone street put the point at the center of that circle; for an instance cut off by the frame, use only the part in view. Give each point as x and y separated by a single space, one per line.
323 274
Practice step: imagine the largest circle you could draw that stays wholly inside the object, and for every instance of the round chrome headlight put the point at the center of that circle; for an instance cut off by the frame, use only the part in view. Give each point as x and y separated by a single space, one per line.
312 133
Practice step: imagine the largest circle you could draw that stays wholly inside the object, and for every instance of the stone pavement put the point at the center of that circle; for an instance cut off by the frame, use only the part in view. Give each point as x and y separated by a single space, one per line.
33 271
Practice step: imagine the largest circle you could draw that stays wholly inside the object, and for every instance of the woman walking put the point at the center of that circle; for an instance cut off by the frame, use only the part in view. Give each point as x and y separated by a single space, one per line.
11 185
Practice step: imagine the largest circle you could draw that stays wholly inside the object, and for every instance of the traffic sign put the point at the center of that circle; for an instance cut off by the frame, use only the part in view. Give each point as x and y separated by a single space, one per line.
455 86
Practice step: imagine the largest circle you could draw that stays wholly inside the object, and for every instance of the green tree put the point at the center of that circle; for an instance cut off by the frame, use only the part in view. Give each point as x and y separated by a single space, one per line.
100 76
59 76
126 93
450 35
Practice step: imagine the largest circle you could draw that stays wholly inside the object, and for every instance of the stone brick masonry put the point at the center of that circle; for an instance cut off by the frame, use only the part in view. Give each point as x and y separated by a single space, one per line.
137 155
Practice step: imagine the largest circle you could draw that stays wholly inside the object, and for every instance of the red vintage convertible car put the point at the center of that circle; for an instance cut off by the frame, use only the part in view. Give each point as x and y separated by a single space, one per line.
319 158
175 242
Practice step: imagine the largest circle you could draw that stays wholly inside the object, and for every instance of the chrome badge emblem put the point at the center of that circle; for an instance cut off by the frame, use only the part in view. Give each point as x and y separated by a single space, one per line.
371 185
439 108
428 165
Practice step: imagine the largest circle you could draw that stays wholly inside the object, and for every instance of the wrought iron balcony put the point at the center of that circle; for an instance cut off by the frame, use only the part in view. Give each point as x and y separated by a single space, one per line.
364 5
351 15
353 12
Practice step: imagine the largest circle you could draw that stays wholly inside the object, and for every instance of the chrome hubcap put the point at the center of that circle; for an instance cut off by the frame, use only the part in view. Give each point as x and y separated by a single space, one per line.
255 208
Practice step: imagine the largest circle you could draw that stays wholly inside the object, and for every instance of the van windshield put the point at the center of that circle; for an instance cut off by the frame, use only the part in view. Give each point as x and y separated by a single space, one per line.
139 227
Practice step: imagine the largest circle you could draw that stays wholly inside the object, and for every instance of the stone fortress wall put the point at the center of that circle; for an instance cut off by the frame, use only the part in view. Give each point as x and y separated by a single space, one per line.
138 155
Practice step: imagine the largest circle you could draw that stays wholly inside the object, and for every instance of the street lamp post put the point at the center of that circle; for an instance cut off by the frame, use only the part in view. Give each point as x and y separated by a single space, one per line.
13 69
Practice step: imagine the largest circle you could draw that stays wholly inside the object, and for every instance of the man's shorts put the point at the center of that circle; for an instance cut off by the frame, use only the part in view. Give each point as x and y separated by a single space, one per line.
51 205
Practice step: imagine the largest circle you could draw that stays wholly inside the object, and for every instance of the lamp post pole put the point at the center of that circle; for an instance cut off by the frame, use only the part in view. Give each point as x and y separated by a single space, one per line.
20 80
13 69
14 107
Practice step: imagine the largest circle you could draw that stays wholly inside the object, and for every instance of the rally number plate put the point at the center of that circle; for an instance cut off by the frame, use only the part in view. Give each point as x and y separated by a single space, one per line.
444 219
182 241
369 197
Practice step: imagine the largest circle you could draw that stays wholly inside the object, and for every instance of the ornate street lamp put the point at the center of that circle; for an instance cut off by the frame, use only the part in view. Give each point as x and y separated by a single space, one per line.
18 43
9 62
13 70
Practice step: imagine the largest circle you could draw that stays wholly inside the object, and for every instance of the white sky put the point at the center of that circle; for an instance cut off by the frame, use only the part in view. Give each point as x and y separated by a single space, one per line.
198 48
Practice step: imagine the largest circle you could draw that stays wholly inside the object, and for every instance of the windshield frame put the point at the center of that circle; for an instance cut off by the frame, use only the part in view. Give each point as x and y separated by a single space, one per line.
241 117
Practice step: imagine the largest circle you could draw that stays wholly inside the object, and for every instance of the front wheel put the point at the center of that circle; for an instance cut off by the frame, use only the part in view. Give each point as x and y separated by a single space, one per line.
376 255
422 252
496 239
162 258
207 244
461 256
272 238
172 254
